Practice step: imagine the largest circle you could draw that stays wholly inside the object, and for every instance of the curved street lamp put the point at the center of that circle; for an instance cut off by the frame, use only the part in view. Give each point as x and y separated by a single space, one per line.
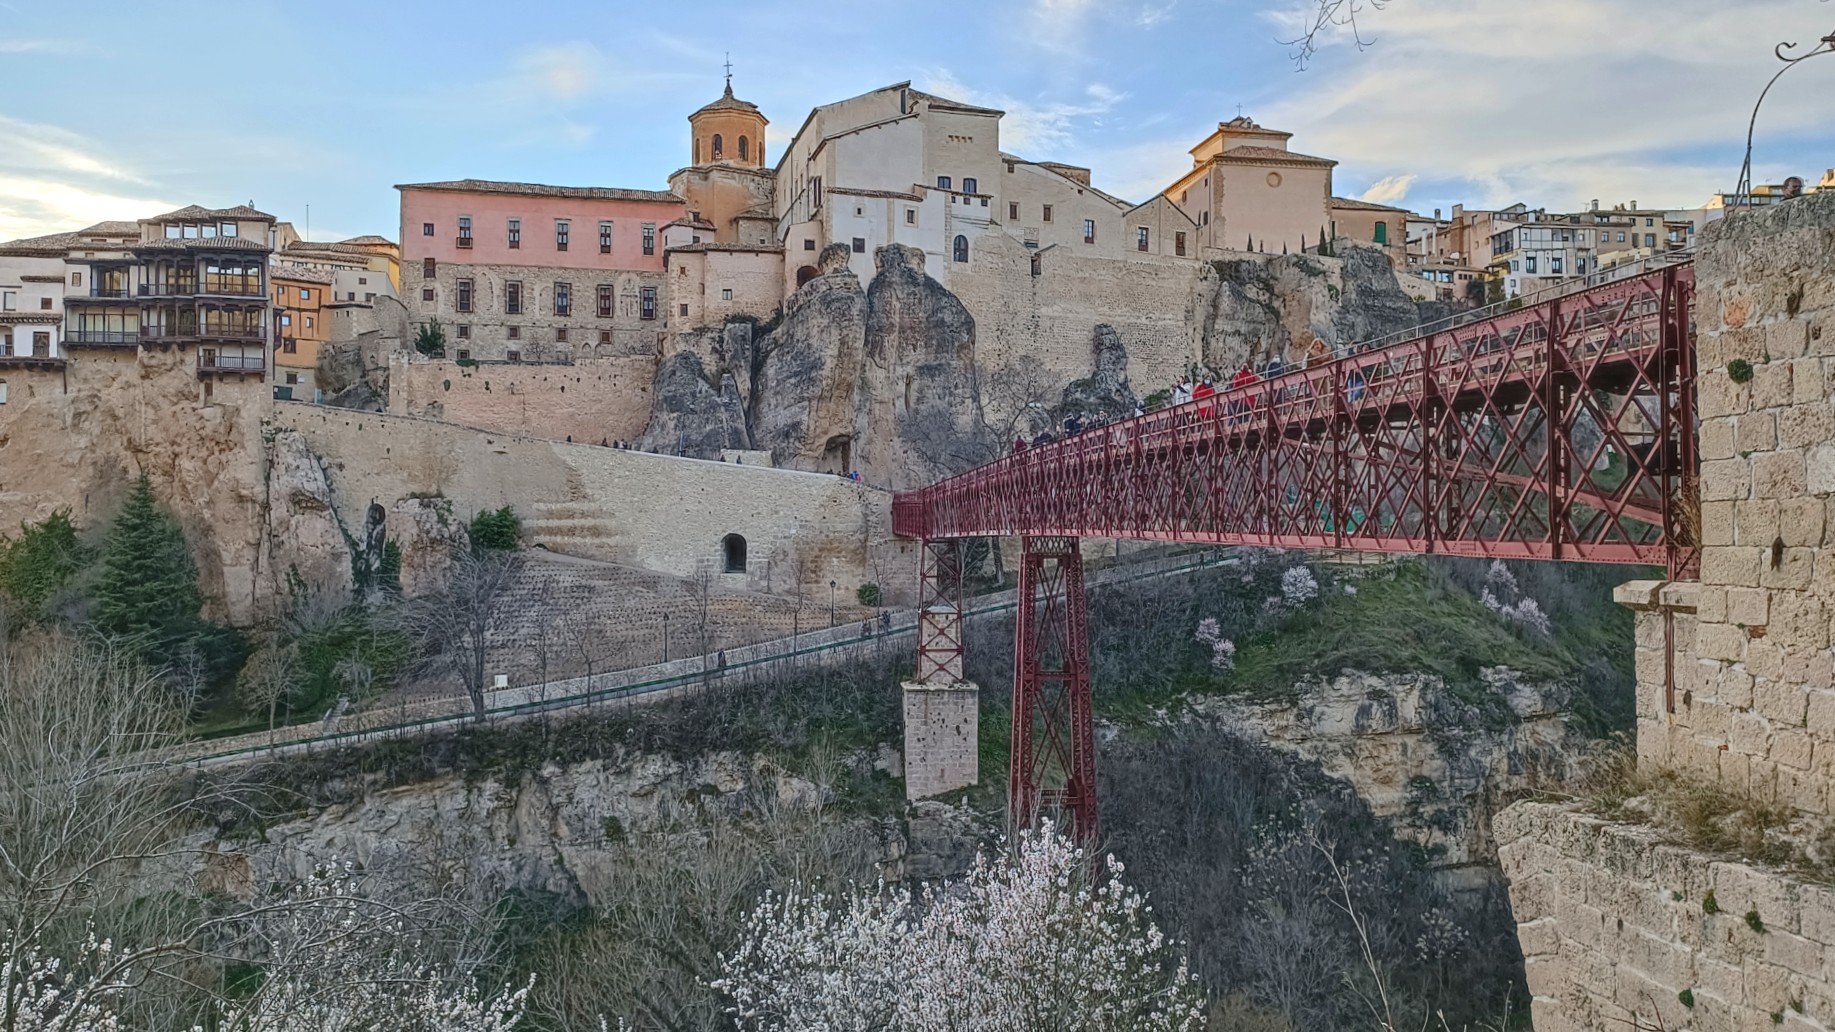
1826 45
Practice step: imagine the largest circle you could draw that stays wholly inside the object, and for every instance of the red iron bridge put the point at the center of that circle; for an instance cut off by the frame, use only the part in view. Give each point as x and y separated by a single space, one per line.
1563 430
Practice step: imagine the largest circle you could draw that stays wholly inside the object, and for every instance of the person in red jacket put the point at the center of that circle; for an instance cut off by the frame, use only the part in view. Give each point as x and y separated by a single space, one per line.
1205 389
1239 383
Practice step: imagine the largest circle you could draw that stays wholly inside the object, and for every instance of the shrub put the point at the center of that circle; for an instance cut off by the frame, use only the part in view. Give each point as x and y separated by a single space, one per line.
41 560
430 339
1739 370
497 530
1687 998
868 595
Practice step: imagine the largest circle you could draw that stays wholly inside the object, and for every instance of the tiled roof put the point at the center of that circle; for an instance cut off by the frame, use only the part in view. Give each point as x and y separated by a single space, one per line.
193 211
761 248
299 274
589 193
690 223
1353 204
1254 153
756 213
368 240
201 244
728 102
945 104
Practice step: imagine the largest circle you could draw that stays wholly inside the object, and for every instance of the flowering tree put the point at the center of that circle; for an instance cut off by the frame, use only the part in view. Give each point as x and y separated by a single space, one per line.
1298 587
1030 941
1223 650
1503 596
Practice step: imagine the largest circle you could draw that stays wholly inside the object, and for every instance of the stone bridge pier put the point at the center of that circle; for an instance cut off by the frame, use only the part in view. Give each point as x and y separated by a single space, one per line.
1736 688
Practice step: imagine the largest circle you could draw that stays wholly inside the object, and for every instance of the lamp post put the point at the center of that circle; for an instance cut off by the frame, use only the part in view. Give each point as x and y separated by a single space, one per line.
665 637
831 604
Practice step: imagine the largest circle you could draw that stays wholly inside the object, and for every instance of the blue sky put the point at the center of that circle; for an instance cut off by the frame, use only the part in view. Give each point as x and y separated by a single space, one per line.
119 110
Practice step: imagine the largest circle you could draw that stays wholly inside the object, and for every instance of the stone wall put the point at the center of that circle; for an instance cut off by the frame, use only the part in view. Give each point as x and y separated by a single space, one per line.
589 400
484 331
942 738
661 513
1756 711
1615 931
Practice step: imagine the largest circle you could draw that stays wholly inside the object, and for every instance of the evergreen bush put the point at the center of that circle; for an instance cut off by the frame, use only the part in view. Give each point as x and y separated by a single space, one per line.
41 560
496 530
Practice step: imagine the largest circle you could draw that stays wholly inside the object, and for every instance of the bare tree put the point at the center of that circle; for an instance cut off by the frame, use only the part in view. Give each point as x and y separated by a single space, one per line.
1017 400
459 625
1327 16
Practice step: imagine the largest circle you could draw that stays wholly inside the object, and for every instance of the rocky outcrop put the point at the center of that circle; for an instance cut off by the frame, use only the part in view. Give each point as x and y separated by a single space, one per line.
1268 307
1106 392
1436 765
806 372
691 415
918 378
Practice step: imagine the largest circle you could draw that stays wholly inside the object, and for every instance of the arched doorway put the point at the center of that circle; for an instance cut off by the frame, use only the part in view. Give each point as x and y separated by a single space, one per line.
805 274
732 548
961 249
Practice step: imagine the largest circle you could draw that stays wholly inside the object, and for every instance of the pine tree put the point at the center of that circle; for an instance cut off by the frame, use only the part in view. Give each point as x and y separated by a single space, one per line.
148 587
1321 239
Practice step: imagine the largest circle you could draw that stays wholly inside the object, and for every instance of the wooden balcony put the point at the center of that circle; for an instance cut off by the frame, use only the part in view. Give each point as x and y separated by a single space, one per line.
211 363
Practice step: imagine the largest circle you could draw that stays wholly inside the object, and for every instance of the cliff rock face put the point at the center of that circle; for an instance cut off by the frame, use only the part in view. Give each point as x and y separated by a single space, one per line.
1106 392
1421 757
805 372
919 375
692 416
1265 307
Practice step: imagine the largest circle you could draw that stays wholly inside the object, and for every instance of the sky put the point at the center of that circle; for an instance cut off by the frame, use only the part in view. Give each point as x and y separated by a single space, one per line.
123 110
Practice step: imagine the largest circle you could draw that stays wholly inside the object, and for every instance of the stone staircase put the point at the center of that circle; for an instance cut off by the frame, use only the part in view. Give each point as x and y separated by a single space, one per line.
576 528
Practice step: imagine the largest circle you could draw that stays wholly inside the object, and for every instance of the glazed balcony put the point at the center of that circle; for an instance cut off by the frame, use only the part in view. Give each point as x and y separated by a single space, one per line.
206 289
104 338
173 335
210 363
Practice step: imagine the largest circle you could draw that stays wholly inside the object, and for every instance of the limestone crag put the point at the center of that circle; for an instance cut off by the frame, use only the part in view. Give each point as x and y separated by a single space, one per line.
1269 307
1420 756
804 374
918 408
1106 392
694 414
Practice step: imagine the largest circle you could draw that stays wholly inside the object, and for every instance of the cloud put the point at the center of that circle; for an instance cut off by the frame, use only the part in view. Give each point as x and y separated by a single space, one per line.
1033 129
1559 101
1058 25
1388 190
53 180
37 46
563 71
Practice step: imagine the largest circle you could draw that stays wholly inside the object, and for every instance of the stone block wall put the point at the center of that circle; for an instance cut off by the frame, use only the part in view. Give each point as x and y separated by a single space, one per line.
589 399
1616 932
1755 711
942 747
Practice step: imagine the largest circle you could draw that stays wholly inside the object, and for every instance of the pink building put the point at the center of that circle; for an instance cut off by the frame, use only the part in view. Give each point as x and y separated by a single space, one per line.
522 271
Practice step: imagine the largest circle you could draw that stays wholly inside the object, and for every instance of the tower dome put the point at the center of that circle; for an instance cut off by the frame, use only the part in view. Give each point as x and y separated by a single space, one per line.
729 131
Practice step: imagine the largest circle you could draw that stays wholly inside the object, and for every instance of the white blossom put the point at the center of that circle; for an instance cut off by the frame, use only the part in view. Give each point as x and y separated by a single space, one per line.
1502 596
1223 650
44 994
1030 941
1298 587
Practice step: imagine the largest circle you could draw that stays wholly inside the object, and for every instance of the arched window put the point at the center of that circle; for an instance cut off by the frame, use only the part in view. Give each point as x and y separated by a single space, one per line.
1382 232
961 248
744 149
733 548
716 146
697 152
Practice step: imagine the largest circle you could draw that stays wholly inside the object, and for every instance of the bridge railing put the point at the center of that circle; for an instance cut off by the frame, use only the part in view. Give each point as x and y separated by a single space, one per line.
1561 430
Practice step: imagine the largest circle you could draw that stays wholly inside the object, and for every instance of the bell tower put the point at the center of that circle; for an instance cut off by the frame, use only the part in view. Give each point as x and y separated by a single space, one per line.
729 131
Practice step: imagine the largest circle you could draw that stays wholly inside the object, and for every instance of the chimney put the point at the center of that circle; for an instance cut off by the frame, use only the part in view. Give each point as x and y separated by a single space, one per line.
1458 212
1595 205
1436 214
1634 205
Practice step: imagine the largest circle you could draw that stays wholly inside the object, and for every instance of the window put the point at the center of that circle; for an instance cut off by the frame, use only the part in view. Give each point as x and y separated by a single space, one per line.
289 346
369 297
1650 222
515 234
465 231
309 322
44 304
9 300
649 238
910 216
305 294
9 349
969 185
1141 238
563 299
942 182
1621 236
464 330
732 549
1089 231
605 336
515 333
1178 243
512 356
718 146
430 268
745 149
647 303
293 378
560 234
461 295
1382 233
860 245
1013 210
426 293
605 238
605 300
1529 264
363 281
961 249
560 335
1047 213
1650 240
726 293
809 245
512 298
1580 266
426 229
815 192
228 229
1554 266
464 355
76 279
684 309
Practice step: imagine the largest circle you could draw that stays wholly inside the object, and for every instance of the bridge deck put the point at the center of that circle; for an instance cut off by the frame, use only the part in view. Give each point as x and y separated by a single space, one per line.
1563 430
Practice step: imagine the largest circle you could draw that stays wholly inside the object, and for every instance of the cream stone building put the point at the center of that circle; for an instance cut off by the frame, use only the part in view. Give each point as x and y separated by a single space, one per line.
1247 190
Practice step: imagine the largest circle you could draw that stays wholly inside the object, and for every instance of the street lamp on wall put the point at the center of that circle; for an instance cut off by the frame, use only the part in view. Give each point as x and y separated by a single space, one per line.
831 603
